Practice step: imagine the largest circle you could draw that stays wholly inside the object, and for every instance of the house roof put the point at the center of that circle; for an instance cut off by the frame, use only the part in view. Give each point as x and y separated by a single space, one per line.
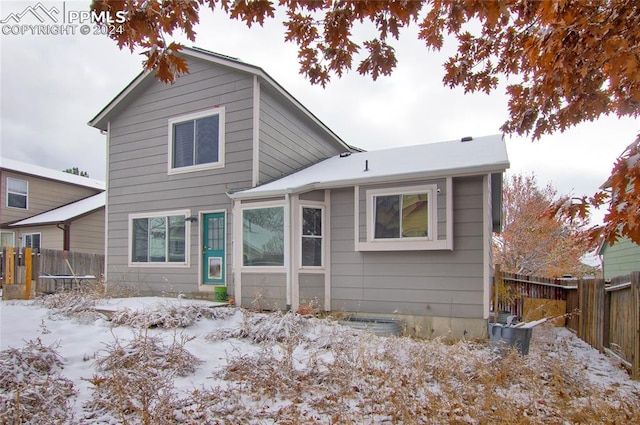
480 155
102 118
65 213
48 173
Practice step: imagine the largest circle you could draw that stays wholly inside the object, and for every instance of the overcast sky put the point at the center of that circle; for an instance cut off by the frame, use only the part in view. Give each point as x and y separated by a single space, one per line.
52 85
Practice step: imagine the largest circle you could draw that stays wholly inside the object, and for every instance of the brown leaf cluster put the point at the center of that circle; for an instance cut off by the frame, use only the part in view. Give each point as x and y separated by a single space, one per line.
572 61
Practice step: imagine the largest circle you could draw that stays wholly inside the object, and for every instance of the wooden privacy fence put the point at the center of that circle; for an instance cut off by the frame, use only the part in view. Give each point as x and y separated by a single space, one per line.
23 266
606 315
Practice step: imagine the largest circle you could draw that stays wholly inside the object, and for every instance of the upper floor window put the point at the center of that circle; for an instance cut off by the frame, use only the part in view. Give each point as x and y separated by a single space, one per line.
196 141
311 237
17 193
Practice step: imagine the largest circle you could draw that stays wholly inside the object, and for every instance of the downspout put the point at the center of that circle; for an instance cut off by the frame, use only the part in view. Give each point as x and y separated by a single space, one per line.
66 236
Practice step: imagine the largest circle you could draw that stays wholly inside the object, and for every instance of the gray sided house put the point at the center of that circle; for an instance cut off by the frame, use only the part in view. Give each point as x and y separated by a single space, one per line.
224 179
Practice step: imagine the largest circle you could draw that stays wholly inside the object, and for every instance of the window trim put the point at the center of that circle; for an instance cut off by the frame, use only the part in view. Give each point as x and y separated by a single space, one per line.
26 195
23 239
220 112
405 244
322 235
187 239
262 268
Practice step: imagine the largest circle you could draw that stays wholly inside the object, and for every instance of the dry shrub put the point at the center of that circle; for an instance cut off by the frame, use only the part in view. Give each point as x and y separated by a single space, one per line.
136 385
32 389
169 316
261 327
71 304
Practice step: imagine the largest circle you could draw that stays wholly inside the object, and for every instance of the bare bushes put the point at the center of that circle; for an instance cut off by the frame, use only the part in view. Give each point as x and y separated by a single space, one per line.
32 388
135 380
168 315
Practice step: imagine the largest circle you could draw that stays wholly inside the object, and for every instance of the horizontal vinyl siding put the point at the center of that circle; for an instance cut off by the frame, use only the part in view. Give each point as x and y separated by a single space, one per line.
44 195
428 283
50 236
138 168
289 141
621 259
311 289
87 233
264 291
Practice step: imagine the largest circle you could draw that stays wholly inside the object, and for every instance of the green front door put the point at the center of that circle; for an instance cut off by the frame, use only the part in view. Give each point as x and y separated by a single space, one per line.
213 240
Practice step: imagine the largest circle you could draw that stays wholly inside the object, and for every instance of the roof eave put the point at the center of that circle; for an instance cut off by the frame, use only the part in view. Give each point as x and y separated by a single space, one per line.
498 167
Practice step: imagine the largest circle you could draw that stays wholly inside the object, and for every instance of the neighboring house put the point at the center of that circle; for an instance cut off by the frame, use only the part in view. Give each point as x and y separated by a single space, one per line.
224 178
619 259
48 209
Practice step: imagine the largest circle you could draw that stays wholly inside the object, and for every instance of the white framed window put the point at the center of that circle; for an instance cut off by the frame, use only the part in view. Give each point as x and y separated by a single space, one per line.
159 239
196 141
312 234
402 218
31 240
263 241
7 239
17 193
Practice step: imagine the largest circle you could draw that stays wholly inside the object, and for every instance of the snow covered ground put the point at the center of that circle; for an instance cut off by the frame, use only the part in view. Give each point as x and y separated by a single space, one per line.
76 360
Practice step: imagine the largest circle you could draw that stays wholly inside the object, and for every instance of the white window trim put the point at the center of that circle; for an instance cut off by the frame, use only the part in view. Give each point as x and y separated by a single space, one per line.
319 206
262 269
220 111
26 208
23 238
431 243
13 237
187 241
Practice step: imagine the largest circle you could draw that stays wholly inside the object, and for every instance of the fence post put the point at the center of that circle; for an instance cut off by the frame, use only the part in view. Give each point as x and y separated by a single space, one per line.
635 317
28 275
9 265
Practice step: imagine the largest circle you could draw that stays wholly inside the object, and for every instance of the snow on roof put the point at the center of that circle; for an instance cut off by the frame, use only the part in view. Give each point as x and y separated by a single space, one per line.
48 173
479 155
66 212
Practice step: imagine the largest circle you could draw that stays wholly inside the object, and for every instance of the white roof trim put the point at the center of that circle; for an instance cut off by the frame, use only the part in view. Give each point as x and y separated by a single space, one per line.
220 60
66 212
482 155
50 174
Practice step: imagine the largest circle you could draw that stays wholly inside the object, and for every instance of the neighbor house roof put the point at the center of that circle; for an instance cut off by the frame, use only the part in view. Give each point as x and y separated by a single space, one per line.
100 121
434 160
65 213
50 174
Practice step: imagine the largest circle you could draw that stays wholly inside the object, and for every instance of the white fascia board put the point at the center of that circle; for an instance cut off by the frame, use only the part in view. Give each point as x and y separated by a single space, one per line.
399 178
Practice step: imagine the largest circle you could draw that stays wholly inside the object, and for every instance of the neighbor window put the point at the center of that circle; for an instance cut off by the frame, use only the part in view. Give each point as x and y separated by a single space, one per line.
401 215
311 237
158 239
31 240
17 193
196 141
263 236
7 239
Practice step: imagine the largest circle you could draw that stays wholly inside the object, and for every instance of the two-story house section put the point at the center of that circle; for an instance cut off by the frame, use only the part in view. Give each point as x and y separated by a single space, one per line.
224 179
176 151
45 208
